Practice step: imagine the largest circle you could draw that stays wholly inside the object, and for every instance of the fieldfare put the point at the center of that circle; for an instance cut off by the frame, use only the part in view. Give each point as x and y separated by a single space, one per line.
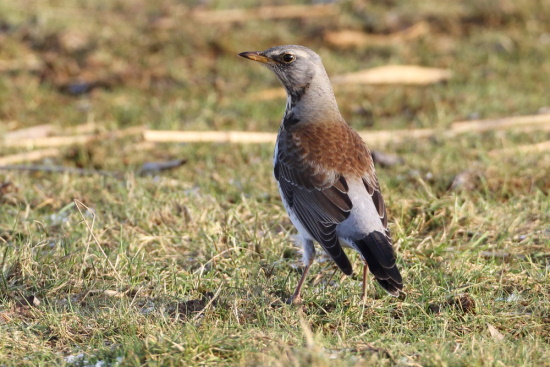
325 172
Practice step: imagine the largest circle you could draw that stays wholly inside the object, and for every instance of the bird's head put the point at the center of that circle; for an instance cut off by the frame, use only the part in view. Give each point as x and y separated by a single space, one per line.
296 66
300 70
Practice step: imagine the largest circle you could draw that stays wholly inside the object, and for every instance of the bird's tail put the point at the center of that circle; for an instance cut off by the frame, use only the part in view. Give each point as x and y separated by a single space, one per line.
377 250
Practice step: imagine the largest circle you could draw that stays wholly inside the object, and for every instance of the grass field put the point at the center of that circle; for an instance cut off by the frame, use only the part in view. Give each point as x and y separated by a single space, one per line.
191 266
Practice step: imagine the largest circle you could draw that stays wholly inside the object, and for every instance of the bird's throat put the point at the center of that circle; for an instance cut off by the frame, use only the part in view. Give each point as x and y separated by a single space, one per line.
307 108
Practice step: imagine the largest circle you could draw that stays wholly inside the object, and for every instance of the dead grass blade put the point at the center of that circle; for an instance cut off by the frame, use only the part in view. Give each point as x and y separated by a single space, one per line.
495 334
501 123
396 74
39 131
308 334
59 141
91 236
35 155
51 141
526 148
214 297
354 38
159 136
386 136
264 12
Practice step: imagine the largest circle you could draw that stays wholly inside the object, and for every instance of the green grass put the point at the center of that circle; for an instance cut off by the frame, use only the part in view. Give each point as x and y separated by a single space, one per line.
191 266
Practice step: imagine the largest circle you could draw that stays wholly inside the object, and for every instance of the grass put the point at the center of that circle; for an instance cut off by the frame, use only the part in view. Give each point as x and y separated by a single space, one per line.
190 266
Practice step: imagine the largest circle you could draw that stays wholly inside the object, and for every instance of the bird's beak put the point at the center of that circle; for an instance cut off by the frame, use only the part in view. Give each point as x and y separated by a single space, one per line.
256 56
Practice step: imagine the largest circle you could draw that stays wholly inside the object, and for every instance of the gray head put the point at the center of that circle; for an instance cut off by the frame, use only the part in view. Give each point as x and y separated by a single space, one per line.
301 72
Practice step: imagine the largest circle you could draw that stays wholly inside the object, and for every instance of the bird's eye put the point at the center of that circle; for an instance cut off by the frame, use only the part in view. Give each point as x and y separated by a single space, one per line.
288 58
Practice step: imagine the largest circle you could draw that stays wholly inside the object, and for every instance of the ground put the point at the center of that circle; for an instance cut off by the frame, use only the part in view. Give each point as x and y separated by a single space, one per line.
192 265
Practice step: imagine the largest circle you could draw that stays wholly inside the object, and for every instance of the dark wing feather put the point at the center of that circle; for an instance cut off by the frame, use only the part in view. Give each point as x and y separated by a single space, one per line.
380 256
318 198
371 184
376 247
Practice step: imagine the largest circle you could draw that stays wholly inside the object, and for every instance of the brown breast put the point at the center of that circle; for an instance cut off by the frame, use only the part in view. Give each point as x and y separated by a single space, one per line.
332 146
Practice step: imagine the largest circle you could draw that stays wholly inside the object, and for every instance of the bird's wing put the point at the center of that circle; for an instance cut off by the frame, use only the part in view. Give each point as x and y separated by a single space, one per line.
319 211
318 195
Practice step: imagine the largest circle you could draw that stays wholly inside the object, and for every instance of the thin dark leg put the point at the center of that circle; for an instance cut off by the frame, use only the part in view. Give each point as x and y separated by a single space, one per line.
296 299
365 271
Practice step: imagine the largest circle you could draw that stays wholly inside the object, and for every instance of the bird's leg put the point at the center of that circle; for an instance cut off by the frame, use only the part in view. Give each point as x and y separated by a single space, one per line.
308 252
296 299
365 271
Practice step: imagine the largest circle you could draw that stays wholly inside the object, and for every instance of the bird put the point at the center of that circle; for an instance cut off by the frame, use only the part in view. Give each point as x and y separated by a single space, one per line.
325 173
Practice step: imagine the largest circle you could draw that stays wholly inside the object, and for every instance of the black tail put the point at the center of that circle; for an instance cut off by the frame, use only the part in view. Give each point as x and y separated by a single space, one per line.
377 250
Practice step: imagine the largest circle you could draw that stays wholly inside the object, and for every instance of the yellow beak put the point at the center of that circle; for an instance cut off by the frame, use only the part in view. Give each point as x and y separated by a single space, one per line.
255 55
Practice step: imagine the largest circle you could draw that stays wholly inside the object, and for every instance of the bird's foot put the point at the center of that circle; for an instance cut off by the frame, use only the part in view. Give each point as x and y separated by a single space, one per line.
294 301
